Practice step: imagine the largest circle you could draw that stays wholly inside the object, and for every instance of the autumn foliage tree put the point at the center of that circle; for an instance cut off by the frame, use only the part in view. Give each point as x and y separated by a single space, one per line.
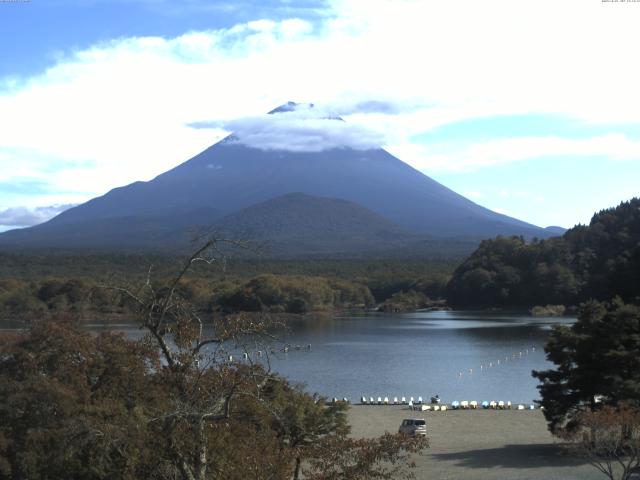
609 438
384 458
73 405
176 404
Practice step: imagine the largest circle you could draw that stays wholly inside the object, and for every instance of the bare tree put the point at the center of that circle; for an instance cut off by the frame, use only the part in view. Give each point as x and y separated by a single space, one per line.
197 359
203 382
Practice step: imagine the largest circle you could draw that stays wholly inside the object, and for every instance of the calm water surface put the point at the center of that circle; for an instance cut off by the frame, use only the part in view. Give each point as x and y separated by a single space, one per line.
421 354
414 354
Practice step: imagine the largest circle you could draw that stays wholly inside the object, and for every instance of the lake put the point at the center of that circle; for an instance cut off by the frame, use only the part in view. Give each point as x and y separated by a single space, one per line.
457 355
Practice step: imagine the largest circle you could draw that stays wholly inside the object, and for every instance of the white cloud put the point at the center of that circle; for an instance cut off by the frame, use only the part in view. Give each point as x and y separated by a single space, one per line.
503 211
302 130
501 151
120 111
25 217
473 194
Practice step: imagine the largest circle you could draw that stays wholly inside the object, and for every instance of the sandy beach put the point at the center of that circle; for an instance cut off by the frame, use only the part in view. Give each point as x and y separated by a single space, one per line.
479 444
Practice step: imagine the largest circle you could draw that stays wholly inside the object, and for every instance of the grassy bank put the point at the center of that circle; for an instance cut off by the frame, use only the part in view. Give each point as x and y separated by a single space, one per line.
479 444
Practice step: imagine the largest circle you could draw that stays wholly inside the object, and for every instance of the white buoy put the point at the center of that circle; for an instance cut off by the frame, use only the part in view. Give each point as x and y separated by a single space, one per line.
363 400
386 400
436 408
501 405
443 408
493 404
259 353
473 404
245 356
411 399
420 400
371 401
395 400
230 358
404 401
509 405
379 400
470 371
520 407
464 404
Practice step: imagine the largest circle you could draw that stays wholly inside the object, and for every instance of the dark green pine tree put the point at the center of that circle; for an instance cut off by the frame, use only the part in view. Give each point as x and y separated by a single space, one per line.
597 357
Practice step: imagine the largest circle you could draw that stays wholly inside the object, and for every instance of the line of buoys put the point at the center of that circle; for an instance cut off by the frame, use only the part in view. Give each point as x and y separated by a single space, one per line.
514 356
259 353
288 347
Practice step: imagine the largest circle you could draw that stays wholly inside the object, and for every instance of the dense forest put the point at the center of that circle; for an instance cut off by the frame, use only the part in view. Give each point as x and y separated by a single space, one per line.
33 285
598 261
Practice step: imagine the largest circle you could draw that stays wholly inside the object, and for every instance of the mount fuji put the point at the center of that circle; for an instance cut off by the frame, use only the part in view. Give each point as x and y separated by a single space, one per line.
339 199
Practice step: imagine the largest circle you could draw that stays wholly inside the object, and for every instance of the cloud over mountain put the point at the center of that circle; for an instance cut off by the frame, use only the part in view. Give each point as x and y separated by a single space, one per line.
111 111
25 217
298 128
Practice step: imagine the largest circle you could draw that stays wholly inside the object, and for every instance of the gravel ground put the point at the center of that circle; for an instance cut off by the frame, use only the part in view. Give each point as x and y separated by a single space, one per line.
479 444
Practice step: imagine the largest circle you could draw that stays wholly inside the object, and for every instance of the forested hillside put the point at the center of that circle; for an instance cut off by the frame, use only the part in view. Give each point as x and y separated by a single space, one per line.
32 286
598 261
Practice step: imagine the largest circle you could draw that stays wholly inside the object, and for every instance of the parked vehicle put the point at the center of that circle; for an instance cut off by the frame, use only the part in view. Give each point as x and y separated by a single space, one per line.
413 426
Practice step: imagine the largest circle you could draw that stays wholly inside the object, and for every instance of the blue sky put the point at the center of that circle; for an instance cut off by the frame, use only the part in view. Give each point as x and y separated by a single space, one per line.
528 108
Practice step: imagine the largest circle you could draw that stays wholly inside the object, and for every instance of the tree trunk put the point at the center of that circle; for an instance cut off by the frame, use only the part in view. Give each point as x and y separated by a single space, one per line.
296 472
201 468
